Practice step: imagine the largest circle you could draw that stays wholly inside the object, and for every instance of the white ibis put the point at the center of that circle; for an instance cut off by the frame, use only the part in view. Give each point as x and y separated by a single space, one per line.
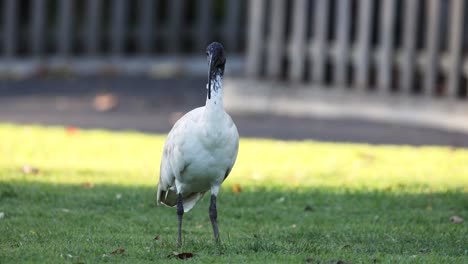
200 150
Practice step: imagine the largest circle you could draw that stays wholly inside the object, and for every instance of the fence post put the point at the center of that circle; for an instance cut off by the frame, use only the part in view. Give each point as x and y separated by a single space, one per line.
231 26
409 37
297 47
255 37
456 38
363 42
276 38
319 39
342 42
433 38
9 27
145 36
66 15
93 22
118 30
205 28
37 26
387 26
176 8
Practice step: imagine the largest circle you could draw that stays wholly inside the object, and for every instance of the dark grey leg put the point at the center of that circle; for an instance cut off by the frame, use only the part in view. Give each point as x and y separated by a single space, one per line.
180 213
213 217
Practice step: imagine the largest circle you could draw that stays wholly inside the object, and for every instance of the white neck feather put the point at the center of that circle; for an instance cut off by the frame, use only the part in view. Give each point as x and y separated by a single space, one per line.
215 103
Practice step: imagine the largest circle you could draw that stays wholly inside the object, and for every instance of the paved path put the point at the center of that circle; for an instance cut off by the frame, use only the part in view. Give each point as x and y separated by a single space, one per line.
150 105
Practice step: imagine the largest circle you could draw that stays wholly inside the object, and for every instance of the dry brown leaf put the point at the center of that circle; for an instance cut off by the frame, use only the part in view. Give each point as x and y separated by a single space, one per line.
28 169
105 102
88 185
118 251
456 219
184 255
236 188
71 131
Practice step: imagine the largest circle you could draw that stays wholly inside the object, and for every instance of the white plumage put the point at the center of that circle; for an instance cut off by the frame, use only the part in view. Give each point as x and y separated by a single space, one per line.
200 150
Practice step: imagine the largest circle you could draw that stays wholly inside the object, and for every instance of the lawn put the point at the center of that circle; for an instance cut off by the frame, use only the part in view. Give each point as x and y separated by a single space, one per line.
93 200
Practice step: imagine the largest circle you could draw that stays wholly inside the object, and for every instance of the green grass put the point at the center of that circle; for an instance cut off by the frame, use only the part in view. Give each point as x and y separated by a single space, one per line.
299 200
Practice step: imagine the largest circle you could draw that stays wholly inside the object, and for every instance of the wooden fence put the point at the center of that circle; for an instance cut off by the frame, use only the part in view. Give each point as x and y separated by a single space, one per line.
389 46
119 28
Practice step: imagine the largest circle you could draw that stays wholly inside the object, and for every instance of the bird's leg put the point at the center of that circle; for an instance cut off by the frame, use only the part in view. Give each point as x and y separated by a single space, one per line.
213 217
180 213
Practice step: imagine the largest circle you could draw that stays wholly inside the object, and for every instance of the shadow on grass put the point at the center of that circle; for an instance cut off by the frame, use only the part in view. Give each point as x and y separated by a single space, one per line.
49 223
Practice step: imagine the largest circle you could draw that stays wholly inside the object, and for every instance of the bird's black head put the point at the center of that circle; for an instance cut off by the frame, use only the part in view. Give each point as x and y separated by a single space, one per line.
216 62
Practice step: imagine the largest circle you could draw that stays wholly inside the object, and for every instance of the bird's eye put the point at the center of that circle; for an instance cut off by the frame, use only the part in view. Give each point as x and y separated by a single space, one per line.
207 54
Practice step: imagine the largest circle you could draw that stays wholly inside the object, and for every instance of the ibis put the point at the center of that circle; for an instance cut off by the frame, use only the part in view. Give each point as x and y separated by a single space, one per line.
200 150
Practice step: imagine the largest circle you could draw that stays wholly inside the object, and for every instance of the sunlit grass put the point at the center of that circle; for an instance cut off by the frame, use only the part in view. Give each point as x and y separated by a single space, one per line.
298 200
133 159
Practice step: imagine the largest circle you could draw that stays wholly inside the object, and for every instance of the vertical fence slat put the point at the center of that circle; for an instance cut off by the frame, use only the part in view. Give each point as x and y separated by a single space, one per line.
66 16
204 19
387 27
146 25
176 8
409 44
276 40
118 30
255 37
37 26
319 40
364 33
231 28
9 27
456 38
342 42
297 47
432 53
93 25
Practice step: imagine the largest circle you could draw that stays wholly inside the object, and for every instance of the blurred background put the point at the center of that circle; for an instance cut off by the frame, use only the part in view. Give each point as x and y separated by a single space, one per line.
382 72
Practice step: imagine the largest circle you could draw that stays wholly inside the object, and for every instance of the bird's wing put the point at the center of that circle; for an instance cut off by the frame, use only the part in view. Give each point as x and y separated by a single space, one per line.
173 161
235 136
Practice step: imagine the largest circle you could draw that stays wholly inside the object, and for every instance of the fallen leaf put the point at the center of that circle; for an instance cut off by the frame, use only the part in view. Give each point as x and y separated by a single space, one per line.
346 247
236 188
105 102
456 219
280 200
88 185
118 251
156 237
71 130
366 157
28 169
184 255
2 215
